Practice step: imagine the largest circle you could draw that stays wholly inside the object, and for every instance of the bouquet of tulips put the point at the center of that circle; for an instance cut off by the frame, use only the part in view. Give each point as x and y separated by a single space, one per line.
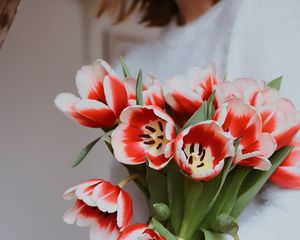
198 147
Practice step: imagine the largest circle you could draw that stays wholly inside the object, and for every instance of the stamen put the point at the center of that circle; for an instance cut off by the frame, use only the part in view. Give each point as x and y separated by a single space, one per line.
159 146
149 142
191 160
192 148
185 154
161 137
151 129
160 126
200 165
203 155
144 136
200 149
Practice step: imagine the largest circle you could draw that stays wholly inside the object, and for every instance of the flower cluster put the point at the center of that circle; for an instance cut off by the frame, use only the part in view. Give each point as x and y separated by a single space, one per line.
194 130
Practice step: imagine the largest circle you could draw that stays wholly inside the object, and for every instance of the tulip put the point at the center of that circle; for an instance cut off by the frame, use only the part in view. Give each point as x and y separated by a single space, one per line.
243 122
200 150
104 207
151 90
287 175
144 132
185 96
279 116
103 97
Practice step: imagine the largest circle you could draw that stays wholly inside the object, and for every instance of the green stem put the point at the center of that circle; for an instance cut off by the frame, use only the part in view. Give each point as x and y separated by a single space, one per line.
125 181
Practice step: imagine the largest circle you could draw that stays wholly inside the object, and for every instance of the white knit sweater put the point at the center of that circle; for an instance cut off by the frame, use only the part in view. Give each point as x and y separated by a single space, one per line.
251 38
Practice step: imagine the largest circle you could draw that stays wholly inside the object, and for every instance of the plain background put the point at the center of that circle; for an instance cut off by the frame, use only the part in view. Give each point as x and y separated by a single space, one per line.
47 43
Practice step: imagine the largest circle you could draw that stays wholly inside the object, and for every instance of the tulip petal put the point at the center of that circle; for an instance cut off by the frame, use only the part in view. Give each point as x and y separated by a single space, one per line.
180 96
105 195
70 193
125 210
81 213
66 102
133 232
89 82
99 113
154 96
287 175
105 227
115 93
84 191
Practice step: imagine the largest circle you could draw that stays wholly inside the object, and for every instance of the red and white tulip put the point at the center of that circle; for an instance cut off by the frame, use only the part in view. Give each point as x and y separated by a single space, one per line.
103 97
144 132
243 88
185 96
287 175
243 122
200 150
104 207
151 90
139 232
279 116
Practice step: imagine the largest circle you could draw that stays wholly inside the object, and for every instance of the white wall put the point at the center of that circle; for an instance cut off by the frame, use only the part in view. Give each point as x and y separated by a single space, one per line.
40 56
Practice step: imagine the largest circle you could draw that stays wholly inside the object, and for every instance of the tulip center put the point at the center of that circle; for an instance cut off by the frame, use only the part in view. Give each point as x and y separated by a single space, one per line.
198 157
154 136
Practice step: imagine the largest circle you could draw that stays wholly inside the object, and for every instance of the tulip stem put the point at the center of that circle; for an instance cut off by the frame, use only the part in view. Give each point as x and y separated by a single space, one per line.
131 177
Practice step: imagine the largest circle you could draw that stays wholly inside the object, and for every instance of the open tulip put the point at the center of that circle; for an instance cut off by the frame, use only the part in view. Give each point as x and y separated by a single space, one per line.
139 232
279 116
200 150
144 132
105 207
185 96
287 175
151 90
243 122
103 97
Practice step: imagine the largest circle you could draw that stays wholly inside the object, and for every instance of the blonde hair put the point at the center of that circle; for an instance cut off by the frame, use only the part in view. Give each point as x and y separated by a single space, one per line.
154 13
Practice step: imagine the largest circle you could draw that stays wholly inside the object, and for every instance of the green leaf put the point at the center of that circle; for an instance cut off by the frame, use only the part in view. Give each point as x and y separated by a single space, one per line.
256 180
139 90
157 183
208 235
210 105
158 227
228 195
225 224
233 188
204 112
161 211
84 152
199 116
175 194
275 84
125 69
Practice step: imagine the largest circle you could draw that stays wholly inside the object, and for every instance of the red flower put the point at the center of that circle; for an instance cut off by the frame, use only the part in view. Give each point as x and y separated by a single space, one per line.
243 88
200 150
103 97
152 92
243 122
288 174
279 116
139 232
145 131
105 207
186 96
